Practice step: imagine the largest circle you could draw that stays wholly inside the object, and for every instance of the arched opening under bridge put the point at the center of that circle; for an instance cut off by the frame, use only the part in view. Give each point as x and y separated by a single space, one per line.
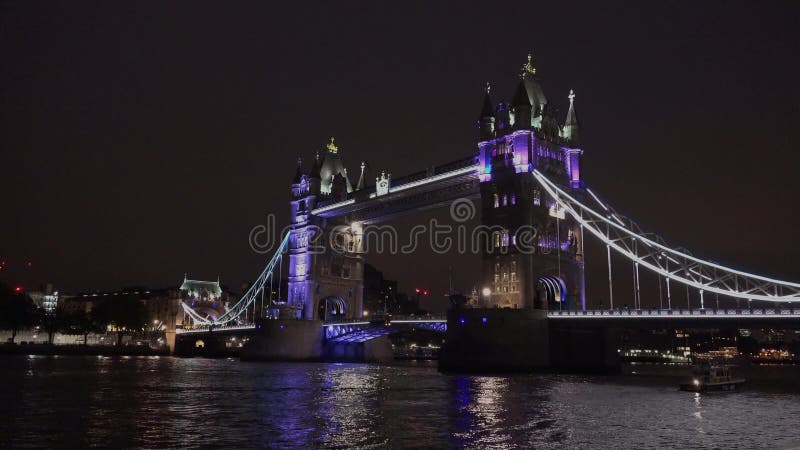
331 307
551 291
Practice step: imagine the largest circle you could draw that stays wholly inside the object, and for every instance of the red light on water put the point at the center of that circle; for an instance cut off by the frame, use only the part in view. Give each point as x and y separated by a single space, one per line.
18 289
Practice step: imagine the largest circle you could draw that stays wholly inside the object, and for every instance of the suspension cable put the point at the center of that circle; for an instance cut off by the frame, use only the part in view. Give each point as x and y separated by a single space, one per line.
690 271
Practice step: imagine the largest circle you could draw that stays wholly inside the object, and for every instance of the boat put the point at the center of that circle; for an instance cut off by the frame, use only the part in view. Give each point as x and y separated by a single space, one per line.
712 377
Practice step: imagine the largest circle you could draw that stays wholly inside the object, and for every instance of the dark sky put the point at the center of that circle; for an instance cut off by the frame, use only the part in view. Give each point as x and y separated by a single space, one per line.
142 140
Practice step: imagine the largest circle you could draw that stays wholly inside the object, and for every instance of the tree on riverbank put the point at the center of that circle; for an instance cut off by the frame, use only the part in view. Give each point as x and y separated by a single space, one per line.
125 315
17 311
82 323
51 322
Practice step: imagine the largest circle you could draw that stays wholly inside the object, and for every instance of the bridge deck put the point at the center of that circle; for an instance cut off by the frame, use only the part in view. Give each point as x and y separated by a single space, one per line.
713 317
708 313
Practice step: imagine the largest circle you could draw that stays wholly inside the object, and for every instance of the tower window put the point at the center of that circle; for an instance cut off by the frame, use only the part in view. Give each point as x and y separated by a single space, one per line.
513 199
496 201
505 200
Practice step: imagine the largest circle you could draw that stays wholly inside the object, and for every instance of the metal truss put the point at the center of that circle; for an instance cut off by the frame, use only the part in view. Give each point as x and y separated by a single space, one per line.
652 252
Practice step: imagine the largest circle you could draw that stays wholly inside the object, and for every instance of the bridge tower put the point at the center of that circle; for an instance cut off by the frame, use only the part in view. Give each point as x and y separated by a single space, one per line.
534 255
325 254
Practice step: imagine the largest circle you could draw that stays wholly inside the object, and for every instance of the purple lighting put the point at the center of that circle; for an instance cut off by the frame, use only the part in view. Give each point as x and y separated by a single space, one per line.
484 319
462 321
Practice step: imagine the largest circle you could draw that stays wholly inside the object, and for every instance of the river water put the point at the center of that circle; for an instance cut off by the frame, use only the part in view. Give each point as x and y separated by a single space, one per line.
129 402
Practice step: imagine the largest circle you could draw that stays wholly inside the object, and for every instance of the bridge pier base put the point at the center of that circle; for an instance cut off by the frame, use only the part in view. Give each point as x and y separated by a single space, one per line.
285 340
517 340
202 344
578 349
495 340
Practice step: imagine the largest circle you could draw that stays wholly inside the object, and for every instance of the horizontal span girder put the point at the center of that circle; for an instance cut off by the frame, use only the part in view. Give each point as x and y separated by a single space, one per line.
662 314
435 190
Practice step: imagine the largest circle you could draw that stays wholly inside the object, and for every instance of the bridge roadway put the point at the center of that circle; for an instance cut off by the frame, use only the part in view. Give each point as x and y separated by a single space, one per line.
680 318
361 330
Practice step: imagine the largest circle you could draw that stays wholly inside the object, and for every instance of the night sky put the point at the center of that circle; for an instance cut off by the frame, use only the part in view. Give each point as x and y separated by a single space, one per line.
143 140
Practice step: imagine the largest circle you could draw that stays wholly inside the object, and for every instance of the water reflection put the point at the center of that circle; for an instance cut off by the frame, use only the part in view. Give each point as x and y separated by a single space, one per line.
350 406
197 403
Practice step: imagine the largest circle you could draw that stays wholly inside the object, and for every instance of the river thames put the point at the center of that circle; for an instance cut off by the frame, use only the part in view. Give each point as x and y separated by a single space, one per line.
164 402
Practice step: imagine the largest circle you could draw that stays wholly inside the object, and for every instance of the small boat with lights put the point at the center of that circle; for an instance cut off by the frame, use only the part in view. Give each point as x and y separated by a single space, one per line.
712 377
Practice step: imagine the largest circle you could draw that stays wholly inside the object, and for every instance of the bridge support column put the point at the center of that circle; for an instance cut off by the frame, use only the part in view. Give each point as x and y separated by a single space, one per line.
495 340
581 349
285 340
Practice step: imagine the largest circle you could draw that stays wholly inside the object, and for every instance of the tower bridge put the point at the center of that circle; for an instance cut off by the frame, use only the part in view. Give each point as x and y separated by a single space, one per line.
524 174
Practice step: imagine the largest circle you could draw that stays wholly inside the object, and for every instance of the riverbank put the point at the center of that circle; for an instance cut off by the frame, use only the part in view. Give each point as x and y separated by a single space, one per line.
91 350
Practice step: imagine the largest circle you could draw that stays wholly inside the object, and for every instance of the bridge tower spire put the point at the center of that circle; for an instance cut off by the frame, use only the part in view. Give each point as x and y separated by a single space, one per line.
486 120
570 129
521 105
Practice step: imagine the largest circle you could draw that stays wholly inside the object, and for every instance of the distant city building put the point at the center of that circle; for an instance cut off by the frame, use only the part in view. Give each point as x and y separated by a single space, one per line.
165 312
380 294
204 290
47 299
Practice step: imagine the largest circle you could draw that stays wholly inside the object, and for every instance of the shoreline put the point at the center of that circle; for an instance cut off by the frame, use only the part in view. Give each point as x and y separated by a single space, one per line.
81 350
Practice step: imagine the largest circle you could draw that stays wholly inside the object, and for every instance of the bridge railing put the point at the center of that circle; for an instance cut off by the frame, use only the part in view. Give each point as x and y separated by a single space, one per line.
667 313
390 318
422 318
206 328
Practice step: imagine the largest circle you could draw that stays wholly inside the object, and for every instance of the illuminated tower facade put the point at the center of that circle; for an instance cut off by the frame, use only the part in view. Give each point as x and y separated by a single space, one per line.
325 255
533 257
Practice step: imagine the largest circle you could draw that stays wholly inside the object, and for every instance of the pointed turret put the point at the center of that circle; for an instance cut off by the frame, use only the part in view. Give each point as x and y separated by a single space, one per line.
330 166
361 179
488 109
486 119
570 131
534 91
315 167
522 107
298 174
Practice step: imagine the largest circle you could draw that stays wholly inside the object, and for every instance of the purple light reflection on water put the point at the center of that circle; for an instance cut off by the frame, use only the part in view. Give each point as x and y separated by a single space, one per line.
211 403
